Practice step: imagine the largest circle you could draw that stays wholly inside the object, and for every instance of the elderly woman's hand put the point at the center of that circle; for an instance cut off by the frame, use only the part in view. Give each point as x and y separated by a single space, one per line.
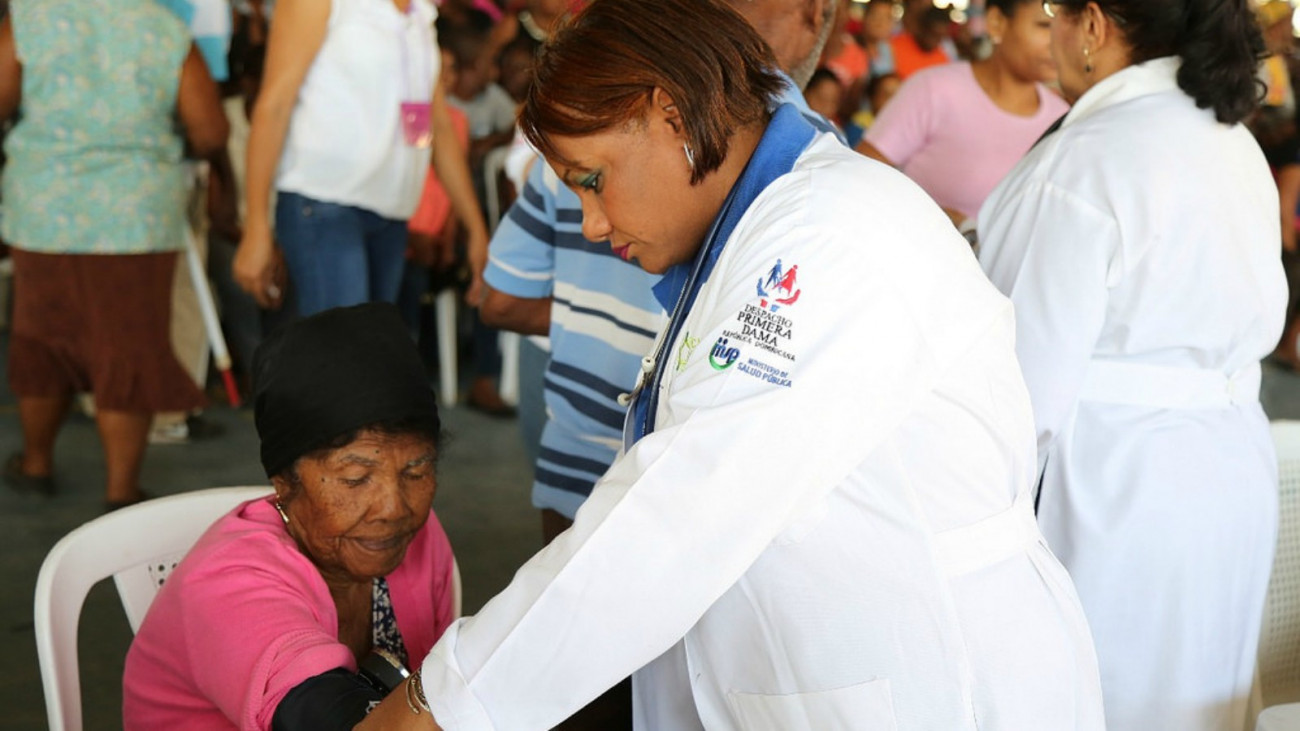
397 712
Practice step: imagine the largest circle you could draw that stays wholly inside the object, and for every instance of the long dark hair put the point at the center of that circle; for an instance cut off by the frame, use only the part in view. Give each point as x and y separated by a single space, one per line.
600 71
1218 40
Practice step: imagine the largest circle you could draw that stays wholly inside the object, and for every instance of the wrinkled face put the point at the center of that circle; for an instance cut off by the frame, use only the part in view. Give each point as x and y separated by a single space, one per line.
1067 53
813 42
360 505
1026 46
634 184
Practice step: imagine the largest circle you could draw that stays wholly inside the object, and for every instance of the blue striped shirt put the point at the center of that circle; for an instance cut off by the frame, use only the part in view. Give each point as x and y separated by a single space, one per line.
209 23
604 318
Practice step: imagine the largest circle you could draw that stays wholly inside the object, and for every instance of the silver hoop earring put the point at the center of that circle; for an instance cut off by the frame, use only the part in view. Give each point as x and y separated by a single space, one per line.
279 508
690 156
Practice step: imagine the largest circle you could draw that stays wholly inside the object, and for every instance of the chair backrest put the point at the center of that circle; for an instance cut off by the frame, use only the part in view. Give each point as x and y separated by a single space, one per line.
138 546
1278 678
494 165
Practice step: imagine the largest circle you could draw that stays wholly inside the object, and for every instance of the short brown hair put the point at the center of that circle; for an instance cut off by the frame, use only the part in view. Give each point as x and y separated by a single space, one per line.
601 69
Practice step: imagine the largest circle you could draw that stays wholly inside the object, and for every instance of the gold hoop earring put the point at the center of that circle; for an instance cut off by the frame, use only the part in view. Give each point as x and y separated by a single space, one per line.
279 508
1087 61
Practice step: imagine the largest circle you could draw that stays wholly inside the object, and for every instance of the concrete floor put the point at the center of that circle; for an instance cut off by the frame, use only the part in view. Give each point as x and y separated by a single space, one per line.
482 501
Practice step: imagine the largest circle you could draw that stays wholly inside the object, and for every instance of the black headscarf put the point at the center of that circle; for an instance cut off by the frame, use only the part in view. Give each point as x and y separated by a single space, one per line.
334 373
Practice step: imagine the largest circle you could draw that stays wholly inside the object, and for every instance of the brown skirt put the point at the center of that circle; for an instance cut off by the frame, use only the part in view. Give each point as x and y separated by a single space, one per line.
98 323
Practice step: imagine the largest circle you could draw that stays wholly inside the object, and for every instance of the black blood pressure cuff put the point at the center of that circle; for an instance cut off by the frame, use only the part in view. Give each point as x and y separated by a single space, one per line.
337 699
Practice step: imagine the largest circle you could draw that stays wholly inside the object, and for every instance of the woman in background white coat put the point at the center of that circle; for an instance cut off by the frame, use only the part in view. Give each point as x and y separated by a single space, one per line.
1140 245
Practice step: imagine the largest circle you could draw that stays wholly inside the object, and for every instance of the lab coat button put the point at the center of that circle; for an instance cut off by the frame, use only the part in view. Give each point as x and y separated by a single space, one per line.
648 364
624 399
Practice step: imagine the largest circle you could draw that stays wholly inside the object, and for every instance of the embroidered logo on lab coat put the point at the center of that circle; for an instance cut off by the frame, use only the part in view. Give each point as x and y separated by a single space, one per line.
764 372
685 350
764 330
760 342
723 355
778 288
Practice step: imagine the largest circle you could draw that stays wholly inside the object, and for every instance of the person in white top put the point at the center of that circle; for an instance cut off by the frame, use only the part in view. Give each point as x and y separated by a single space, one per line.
822 517
348 109
1140 245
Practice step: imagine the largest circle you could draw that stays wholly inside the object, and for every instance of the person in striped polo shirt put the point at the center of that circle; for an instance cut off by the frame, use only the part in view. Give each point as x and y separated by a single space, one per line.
601 316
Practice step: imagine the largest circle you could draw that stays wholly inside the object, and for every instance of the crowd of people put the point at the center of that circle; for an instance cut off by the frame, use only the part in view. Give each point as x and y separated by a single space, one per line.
886 365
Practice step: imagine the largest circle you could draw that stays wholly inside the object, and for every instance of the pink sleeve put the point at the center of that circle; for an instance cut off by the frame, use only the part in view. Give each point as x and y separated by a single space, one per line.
255 630
443 609
421 590
904 127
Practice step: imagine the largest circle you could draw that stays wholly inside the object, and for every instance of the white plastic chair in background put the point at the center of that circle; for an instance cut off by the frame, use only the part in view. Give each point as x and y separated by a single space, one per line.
1280 718
494 165
445 304
1277 676
444 311
138 546
509 379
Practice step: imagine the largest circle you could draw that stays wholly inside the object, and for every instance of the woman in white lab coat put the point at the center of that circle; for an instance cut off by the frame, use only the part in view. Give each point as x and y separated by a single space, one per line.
1139 243
822 519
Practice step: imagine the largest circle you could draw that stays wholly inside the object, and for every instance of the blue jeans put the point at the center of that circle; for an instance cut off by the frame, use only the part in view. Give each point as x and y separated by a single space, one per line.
338 255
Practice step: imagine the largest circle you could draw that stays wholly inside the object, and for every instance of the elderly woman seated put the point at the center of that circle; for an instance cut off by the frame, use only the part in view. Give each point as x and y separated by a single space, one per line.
293 610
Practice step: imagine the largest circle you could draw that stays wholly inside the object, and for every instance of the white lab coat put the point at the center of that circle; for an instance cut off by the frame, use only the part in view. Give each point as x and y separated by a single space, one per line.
1140 246
853 550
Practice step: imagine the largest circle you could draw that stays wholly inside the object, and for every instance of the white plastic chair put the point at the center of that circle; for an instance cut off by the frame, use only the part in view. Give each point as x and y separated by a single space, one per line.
1280 718
444 303
1277 676
509 379
494 164
138 546
444 308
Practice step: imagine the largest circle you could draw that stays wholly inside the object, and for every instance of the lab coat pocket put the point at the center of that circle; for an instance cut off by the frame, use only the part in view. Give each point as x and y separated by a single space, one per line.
863 707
